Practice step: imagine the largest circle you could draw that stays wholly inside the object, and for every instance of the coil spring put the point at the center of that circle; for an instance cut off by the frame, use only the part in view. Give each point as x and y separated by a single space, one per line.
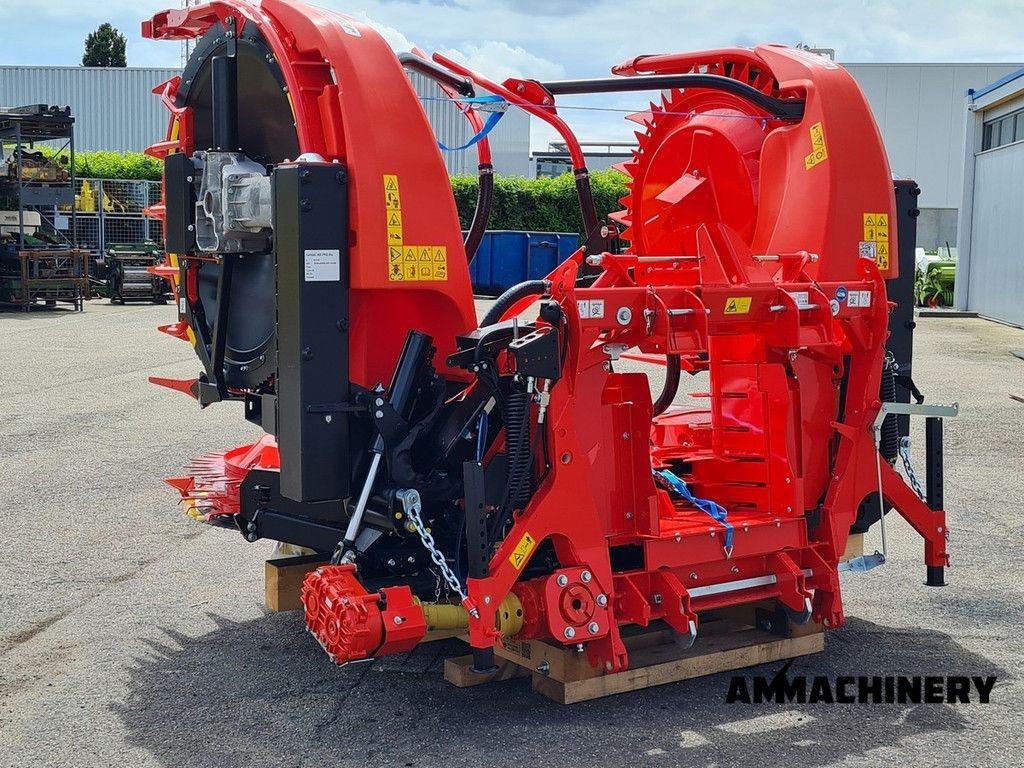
517 433
890 438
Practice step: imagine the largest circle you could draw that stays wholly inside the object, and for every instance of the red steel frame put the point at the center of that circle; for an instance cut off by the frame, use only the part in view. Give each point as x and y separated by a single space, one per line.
779 444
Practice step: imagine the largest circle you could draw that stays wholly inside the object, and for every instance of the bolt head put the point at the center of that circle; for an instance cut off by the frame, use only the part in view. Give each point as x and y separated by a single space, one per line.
585 576
593 627
487 599
562 580
570 633
602 600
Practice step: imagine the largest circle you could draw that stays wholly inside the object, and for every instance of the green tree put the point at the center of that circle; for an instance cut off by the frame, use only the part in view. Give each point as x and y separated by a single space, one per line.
105 48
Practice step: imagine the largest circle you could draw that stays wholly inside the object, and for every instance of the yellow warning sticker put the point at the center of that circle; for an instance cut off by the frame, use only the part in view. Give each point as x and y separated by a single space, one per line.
819 151
409 263
522 551
876 239
441 263
882 255
418 263
393 219
738 305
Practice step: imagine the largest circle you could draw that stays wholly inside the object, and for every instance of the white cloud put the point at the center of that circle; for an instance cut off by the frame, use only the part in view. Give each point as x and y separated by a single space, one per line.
396 39
499 61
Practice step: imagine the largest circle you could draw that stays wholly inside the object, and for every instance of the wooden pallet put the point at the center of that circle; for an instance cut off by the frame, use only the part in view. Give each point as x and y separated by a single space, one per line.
564 675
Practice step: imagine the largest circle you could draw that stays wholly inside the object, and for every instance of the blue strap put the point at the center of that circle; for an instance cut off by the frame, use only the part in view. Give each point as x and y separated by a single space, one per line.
481 436
492 120
716 511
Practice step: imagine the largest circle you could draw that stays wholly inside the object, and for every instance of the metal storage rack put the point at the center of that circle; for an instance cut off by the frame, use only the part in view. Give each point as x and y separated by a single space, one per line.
45 188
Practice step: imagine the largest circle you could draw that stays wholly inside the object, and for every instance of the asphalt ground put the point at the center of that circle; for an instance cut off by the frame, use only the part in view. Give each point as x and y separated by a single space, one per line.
130 636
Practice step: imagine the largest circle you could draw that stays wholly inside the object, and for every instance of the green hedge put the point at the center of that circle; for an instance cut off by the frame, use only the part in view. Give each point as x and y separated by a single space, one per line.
115 165
539 205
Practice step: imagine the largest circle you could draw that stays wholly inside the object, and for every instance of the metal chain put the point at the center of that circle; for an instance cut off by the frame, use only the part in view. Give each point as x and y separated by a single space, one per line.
911 474
413 511
437 586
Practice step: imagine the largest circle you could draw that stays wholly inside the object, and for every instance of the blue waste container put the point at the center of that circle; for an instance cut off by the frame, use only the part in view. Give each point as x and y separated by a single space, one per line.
508 257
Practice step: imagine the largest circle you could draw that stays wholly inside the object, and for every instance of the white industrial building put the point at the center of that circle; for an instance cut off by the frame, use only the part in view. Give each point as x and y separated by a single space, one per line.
990 269
919 110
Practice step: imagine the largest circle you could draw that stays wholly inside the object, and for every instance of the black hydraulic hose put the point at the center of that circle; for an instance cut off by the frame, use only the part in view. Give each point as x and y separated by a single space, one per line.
511 296
482 215
437 73
784 109
587 206
671 387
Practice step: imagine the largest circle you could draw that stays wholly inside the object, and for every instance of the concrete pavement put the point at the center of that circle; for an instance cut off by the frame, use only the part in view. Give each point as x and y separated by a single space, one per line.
130 636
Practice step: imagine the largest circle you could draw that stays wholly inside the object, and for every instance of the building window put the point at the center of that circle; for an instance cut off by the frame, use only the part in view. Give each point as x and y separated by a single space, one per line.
1003 130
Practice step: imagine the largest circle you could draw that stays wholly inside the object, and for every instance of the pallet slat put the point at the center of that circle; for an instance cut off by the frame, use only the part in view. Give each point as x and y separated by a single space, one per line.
722 654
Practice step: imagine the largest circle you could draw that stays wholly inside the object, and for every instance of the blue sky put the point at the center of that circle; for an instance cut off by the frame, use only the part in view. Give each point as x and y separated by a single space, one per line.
577 38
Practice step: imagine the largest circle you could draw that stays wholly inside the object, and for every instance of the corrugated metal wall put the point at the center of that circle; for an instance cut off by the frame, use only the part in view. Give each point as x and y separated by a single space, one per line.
996 280
115 110
919 110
